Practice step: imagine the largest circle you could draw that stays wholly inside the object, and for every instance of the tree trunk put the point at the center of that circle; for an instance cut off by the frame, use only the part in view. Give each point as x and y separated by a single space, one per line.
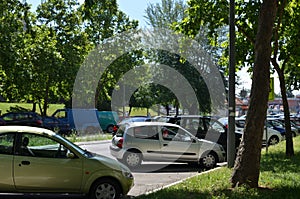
167 109
247 164
288 135
33 107
129 112
177 107
46 98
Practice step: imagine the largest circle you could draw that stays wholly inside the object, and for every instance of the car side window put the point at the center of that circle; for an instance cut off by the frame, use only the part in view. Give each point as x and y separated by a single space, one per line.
61 114
6 143
41 146
175 134
8 117
216 126
146 132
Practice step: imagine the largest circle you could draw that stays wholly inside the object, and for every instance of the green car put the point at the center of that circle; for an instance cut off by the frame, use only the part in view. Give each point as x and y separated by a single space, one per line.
36 160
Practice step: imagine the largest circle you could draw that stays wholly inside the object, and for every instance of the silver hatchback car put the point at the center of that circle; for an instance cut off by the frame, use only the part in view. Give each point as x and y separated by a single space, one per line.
164 142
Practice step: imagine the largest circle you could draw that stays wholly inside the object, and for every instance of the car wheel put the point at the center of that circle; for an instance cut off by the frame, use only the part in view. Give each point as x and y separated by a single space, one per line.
110 129
105 188
209 161
273 140
132 159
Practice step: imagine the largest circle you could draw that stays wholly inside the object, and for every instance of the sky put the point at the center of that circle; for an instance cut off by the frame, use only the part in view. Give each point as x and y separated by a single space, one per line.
133 8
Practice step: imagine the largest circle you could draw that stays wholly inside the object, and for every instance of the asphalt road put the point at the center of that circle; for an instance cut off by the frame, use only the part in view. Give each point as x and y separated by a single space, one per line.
149 177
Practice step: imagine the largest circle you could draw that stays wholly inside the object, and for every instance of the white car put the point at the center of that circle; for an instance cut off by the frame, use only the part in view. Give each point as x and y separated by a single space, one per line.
270 135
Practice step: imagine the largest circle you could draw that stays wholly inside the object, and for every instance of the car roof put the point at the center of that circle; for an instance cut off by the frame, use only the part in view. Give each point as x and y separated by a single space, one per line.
137 124
186 116
27 129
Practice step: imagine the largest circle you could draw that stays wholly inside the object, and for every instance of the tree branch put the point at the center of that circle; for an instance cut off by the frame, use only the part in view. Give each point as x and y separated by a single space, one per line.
276 31
248 37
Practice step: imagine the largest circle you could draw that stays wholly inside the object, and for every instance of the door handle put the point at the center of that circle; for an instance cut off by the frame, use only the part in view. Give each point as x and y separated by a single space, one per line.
24 163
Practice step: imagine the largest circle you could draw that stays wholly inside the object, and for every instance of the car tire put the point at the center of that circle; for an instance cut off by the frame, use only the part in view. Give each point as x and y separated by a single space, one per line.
110 129
132 159
105 188
273 140
209 160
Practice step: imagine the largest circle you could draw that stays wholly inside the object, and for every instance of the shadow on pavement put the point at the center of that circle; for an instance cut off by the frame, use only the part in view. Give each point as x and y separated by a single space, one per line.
168 168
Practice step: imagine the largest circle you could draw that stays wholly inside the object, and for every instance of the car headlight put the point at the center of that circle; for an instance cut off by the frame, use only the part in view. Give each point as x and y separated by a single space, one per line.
127 173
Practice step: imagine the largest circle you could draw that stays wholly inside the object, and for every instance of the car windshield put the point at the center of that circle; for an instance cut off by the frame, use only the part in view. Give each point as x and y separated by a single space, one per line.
76 147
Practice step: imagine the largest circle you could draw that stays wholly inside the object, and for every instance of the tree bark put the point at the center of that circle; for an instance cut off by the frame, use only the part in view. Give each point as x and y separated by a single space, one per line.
289 148
280 71
247 164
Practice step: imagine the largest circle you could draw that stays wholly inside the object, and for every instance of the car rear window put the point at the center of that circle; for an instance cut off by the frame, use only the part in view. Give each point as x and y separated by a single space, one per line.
120 131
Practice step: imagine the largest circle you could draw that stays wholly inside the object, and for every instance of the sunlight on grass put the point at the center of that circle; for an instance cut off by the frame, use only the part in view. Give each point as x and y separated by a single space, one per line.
279 178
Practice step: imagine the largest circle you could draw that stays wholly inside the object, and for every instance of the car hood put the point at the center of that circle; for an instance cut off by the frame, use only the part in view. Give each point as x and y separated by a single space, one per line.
109 162
210 144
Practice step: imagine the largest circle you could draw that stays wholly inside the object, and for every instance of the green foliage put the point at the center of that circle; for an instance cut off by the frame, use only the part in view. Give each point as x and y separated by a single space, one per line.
164 14
103 20
214 15
169 14
42 51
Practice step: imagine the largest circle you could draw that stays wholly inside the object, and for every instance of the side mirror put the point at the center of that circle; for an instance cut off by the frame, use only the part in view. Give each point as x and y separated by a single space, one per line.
194 140
70 155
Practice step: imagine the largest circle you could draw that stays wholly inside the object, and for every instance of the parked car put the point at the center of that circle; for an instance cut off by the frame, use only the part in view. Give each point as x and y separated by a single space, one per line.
2 122
270 136
82 120
295 125
25 118
88 121
130 120
278 125
107 120
37 160
295 130
203 127
56 125
155 141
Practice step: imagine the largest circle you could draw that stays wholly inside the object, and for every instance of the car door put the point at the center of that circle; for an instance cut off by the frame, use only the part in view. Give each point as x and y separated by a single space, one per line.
146 139
46 167
215 131
178 145
6 161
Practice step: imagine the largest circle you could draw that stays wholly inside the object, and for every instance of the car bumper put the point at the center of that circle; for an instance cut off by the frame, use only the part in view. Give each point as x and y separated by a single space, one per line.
116 152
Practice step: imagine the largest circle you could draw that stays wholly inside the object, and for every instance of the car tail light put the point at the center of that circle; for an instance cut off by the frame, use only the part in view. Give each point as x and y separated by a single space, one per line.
115 128
120 143
39 122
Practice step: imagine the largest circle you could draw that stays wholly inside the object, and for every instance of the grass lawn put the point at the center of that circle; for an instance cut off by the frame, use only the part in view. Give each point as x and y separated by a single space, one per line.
5 106
279 178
